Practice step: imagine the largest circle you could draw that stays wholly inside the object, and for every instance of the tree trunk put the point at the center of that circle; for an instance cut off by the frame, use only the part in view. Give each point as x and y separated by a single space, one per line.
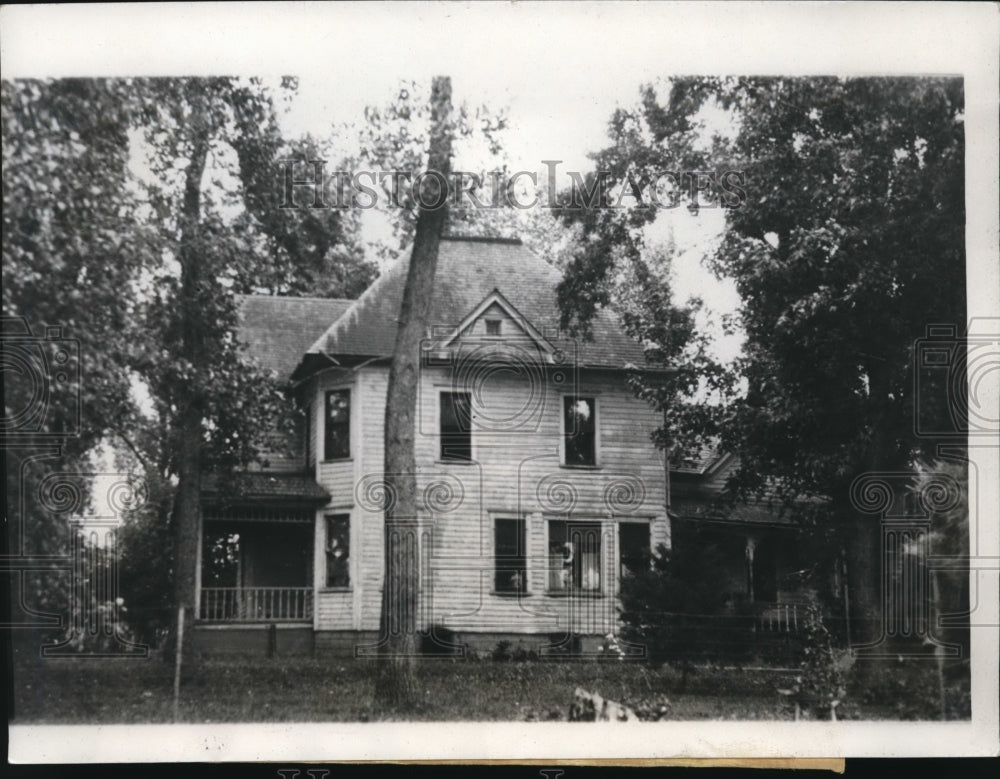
395 685
864 569
864 542
187 501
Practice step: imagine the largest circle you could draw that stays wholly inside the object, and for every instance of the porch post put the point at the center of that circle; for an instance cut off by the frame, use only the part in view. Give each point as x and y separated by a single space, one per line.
750 547
197 570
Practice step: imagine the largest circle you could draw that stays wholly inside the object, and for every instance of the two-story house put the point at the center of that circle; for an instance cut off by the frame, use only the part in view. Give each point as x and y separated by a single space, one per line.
538 481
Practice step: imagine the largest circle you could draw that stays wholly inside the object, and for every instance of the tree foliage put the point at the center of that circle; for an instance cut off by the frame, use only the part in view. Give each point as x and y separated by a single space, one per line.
847 244
393 145
71 242
846 241
488 198
70 246
135 210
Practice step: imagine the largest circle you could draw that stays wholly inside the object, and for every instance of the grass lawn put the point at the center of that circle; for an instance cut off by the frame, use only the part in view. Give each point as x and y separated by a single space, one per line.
311 689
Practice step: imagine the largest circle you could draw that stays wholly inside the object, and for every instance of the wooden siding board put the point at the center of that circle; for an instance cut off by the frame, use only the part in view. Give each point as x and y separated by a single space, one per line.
515 472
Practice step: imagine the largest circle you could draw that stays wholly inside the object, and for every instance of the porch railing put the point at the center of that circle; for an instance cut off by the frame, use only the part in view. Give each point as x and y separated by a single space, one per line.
780 617
256 604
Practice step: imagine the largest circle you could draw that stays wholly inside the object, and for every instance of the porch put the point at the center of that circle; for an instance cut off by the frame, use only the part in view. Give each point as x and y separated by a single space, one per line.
256 554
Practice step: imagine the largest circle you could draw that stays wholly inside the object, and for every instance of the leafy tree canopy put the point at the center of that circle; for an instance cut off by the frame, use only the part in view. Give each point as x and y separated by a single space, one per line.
846 242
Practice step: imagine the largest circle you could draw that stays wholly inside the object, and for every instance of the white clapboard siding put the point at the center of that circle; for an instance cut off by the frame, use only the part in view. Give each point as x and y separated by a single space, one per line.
334 610
337 478
516 471
367 515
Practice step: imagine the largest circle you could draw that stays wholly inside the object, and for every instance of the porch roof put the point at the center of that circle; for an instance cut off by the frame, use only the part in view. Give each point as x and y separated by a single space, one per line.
263 486
756 513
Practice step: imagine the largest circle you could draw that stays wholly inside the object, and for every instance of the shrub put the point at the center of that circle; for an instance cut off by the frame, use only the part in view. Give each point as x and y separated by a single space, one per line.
674 607
563 645
820 684
440 641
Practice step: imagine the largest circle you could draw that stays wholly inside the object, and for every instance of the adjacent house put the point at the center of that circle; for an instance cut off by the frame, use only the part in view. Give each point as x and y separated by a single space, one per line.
539 483
767 557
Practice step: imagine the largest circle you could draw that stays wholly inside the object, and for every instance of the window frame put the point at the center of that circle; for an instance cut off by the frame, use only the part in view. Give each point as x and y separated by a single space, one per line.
328 518
619 524
443 437
521 556
347 424
576 571
563 435
307 435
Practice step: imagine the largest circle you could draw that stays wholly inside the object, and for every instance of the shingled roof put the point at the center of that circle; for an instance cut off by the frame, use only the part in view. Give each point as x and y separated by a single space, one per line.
468 270
698 460
261 486
756 512
278 330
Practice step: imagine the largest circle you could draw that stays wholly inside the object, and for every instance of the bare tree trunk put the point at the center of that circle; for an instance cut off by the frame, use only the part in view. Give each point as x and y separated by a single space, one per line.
395 685
187 501
864 570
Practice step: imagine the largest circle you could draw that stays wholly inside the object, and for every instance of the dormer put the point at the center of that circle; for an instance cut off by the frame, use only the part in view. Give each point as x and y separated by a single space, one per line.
493 327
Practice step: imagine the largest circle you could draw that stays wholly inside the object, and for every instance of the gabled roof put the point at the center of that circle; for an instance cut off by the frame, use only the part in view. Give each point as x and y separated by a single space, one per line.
277 330
699 461
496 298
697 489
469 270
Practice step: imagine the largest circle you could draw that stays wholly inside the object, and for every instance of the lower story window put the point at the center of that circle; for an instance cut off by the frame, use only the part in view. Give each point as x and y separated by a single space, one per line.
574 556
633 547
338 550
509 555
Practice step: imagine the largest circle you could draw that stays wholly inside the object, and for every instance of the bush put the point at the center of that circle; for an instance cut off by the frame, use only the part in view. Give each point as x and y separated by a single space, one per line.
675 608
564 645
440 641
820 684
502 652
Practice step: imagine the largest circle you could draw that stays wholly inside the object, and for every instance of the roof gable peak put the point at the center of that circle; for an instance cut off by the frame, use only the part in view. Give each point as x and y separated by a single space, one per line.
497 298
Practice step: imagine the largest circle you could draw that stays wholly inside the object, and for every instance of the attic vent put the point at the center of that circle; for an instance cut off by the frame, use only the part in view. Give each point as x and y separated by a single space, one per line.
492 327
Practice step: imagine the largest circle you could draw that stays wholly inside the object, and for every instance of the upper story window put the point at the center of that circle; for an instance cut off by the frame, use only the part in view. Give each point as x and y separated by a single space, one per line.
493 327
337 442
456 426
579 430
